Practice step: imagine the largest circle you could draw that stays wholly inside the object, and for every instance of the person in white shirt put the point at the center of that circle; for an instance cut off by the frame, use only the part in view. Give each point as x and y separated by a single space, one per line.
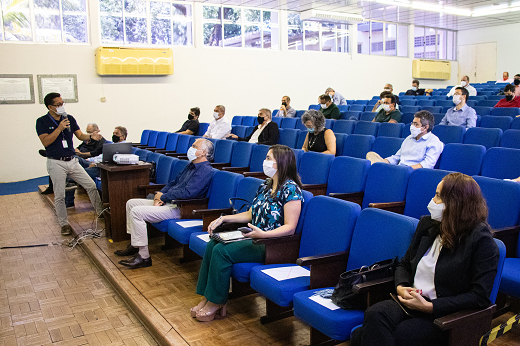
220 127
464 82
505 78
337 98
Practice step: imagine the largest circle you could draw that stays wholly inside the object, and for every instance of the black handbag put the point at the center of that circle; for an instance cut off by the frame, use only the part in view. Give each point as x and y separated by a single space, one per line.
344 296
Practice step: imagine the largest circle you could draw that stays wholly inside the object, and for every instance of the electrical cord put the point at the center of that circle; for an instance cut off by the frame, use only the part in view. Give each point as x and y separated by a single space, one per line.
90 233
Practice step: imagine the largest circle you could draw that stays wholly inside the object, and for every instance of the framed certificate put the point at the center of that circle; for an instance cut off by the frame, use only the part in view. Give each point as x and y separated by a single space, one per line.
16 88
64 84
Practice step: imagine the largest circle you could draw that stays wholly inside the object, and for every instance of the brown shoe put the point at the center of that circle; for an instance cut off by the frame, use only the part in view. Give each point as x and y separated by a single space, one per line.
66 230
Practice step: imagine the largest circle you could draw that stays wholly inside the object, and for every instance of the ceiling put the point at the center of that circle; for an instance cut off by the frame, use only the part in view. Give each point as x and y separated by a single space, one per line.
377 11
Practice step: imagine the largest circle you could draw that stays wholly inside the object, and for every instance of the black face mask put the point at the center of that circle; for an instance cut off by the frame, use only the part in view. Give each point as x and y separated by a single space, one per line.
115 139
190 117
260 119
517 82
284 103
509 97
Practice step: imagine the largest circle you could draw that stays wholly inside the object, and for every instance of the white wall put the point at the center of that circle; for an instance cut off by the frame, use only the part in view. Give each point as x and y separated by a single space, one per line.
242 80
507 50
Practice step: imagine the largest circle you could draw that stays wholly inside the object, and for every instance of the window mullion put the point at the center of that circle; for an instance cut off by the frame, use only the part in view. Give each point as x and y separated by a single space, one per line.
61 22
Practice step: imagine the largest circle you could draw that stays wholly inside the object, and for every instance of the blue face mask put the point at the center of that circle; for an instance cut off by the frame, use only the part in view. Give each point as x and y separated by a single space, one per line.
414 88
310 129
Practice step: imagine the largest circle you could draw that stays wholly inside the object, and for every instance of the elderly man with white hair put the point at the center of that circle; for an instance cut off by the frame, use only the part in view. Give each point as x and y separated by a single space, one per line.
220 126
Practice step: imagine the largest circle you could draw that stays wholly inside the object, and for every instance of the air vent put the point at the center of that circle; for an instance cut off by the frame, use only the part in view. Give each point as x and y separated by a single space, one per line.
334 17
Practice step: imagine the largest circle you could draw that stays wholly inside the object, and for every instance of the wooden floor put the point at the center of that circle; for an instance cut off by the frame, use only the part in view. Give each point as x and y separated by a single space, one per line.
49 295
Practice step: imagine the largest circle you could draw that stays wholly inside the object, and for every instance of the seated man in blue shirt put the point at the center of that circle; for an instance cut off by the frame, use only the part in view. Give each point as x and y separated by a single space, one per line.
461 114
421 149
192 182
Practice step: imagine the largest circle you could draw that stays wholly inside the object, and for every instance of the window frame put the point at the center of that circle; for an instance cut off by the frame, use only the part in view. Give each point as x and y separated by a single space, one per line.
437 39
384 31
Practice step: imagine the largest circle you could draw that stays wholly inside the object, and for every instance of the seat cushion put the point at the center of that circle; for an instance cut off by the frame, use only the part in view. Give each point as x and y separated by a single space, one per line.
510 282
180 233
162 226
279 292
197 244
242 271
336 324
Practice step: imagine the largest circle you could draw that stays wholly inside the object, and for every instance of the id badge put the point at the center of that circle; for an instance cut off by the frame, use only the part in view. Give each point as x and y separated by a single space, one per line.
65 145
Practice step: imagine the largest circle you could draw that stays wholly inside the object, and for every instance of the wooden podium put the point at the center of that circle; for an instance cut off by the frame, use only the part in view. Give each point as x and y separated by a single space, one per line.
119 184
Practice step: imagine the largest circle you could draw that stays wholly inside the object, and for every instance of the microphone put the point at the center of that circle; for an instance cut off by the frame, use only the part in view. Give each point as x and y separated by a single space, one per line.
65 116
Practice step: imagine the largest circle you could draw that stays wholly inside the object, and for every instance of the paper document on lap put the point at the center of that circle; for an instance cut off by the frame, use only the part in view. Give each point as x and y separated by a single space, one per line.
285 273
204 237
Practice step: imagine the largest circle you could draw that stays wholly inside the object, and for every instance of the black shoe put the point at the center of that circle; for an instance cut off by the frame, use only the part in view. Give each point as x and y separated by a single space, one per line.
137 262
129 251
48 191
42 152
69 205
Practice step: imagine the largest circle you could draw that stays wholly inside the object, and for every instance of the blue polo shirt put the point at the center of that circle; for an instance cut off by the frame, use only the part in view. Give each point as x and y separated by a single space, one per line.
46 125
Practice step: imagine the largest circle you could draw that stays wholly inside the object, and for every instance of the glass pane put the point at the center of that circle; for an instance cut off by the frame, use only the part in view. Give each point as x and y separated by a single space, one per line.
418 45
429 43
343 39
1 27
270 27
48 28
182 33
111 29
135 7
363 38
441 44
376 43
111 6
402 48
17 20
451 51
232 35
211 12
328 37
252 37
161 31
74 5
75 28
180 10
212 34
232 14
295 31
253 16
312 36
160 8
391 39
48 4
135 29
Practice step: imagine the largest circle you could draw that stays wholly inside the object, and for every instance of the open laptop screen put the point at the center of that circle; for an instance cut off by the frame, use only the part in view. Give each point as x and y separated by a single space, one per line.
115 148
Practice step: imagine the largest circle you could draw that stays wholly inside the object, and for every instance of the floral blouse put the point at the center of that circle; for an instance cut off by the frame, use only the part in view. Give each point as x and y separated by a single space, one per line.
267 212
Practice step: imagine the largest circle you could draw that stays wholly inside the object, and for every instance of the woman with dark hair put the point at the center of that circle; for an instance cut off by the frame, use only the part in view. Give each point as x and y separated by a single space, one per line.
318 139
450 266
274 213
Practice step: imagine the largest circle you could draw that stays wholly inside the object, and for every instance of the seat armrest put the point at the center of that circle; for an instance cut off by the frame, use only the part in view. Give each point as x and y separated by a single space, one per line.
396 207
375 285
235 169
187 206
354 197
463 318
220 165
325 269
316 189
509 235
182 157
145 190
323 259
174 154
208 215
259 175
280 249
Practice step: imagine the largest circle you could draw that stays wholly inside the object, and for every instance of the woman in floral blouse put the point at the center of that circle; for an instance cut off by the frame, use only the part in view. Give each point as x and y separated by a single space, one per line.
274 213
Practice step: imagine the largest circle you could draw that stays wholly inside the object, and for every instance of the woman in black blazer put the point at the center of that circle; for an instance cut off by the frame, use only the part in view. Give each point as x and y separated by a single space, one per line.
450 266
269 132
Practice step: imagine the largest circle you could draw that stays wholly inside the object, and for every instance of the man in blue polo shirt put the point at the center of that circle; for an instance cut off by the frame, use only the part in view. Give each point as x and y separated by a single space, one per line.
55 131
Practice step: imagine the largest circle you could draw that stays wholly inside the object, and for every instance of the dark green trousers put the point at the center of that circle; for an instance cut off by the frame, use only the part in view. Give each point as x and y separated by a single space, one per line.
217 265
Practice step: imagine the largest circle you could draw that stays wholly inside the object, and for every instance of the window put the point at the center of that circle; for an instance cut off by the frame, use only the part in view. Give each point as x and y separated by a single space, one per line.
363 38
391 39
145 22
316 36
431 43
402 42
240 27
54 21
418 42
451 48
378 38
294 31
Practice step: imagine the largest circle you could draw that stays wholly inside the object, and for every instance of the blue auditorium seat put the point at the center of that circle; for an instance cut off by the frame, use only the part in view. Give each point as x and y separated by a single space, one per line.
407 118
144 137
483 136
386 183
423 97
510 139
347 175
344 126
516 123
450 134
409 109
240 158
288 137
387 146
426 103
446 103
482 110
487 103
405 102
463 158
143 154
203 127
472 103
496 121
163 169
329 123
249 121
496 97
349 114
361 102
239 130
237 120
511 111
314 170
390 130
358 145
301 139
289 123
357 108
257 158
367 116
340 142
315 107
223 150
344 108
433 109
277 120
501 163
366 128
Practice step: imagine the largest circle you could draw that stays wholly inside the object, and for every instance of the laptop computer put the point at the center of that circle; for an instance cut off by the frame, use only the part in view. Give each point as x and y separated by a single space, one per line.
115 148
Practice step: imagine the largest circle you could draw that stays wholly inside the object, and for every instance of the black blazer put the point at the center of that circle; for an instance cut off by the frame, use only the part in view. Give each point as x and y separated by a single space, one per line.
463 278
269 135
418 92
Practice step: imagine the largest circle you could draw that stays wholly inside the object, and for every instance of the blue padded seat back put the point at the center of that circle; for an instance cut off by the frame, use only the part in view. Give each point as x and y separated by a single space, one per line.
510 111
409 109
298 153
421 189
223 151
143 154
314 167
390 130
349 114
239 130
248 121
329 123
501 163
358 145
426 103
487 103
380 235
299 114
203 127
163 169
183 144
133 150
357 108
445 103
246 190
367 116
301 139
307 196
171 142
463 158
347 174
407 118
223 187
387 146
482 110
237 120
516 123
154 157
277 120
340 141
144 137
405 102
300 126
496 121
342 108
386 183
258 157
241 156
161 140
483 136
192 140
422 97
289 123
177 167
503 200
360 102
315 107
450 134
288 137
510 139
366 128
344 126
152 139
327 226
500 267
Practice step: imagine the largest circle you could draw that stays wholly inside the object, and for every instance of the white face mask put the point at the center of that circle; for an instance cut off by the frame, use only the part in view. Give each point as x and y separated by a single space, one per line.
415 131
414 88
436 210
331 96
216 115
324 105
456 99
386 89
192 154
386 108
61 110
268 168
463 83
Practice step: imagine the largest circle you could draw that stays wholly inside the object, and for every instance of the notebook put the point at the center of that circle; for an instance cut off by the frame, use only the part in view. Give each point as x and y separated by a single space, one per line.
228 237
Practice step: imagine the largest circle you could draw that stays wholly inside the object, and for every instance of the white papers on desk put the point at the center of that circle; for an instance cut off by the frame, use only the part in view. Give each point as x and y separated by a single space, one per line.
187 224
204 237
326 302
285 273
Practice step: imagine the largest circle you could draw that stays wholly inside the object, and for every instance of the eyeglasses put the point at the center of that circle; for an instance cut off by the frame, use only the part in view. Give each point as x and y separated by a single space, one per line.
59 104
